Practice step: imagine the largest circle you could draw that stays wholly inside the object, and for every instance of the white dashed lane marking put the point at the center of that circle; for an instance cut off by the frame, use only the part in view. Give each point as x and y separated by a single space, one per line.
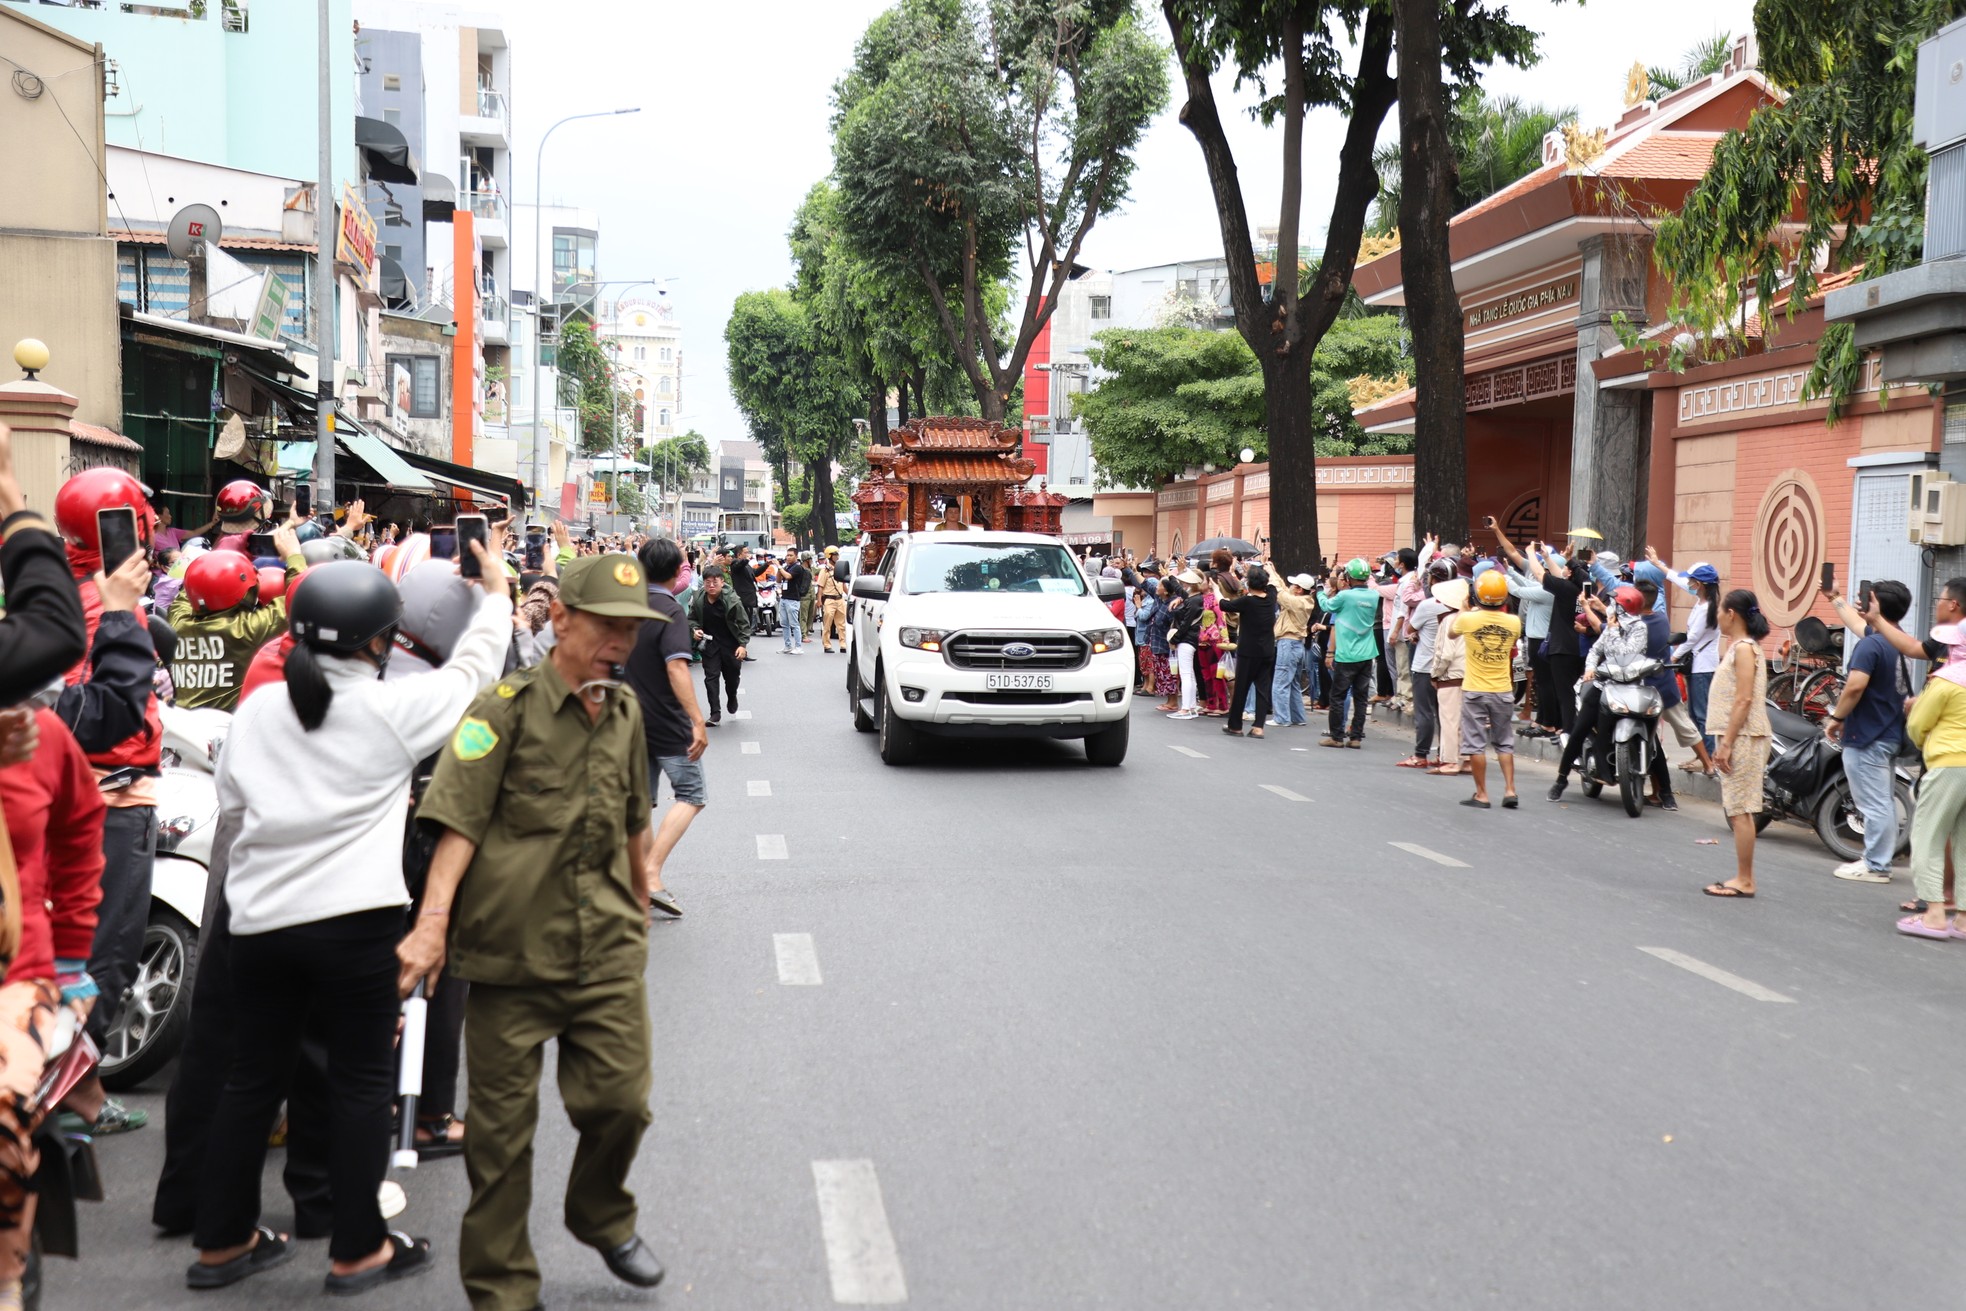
1285 793
798 962
740 714
1746 987
1186 751
747 748
771 846
861 1256
758 787
1414 848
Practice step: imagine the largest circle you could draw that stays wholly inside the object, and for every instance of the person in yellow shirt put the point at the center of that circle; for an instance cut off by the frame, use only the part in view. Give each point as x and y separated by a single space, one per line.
1938 725
1488 691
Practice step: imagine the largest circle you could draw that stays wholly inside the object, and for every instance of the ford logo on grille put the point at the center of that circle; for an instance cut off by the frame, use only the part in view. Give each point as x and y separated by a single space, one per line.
1018 651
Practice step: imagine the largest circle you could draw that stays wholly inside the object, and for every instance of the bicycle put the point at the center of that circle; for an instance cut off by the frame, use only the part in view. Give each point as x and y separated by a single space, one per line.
1809 677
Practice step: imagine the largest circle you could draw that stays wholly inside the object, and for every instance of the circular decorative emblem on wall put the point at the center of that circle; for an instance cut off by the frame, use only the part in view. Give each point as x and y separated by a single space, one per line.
1788 544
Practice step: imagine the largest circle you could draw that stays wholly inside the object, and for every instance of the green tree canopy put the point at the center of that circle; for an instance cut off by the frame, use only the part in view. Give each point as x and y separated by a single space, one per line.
965 128
587 378
1181 398
1702 59
1496 140
1824 181
680 457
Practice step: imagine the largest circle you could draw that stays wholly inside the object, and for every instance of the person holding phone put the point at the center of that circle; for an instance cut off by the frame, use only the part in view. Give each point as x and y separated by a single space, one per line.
220 622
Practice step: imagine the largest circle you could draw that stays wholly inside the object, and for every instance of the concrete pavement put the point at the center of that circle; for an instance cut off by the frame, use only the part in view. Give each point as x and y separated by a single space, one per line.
1165 1036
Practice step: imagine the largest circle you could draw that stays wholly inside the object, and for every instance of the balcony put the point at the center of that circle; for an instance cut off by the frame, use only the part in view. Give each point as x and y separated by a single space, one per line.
493 215
494 319
490 124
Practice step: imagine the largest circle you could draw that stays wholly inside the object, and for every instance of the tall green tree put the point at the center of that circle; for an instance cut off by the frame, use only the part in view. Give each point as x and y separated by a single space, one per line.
587 378
1496 140
1822 182
678 459
1179 398
796 388
1702 59
1298 55
966 129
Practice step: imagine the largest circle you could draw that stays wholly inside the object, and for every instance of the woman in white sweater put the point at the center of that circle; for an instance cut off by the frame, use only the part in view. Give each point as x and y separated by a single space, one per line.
318 782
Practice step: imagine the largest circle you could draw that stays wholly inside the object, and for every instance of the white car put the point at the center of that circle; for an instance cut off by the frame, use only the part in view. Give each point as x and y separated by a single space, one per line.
982 634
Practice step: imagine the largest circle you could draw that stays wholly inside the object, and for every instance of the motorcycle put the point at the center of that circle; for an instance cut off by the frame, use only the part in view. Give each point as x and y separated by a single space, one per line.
1634 707
1812 788
150 1027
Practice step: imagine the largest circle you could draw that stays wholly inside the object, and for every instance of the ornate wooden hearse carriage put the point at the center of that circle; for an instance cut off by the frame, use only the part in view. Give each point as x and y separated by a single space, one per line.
973 466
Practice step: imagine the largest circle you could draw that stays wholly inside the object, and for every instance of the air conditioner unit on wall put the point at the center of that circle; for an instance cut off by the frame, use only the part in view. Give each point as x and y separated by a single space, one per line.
1938 511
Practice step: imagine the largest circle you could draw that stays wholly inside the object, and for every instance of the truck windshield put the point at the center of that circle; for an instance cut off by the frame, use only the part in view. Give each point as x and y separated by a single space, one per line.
992 567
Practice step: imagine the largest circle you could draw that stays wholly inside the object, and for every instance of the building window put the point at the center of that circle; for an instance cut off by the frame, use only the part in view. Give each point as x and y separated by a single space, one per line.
392 81
666 355
665 385
641 352
663 420
426 380
393 252
392 115
1102 307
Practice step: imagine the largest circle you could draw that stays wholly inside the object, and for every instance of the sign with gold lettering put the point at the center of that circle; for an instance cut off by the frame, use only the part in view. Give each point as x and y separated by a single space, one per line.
355 238
1533 301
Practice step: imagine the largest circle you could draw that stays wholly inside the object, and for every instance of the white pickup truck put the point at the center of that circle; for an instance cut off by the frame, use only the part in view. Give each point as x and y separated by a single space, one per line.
984 634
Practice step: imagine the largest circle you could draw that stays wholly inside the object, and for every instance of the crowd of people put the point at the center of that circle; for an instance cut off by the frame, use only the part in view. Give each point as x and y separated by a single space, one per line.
1479 645
518 703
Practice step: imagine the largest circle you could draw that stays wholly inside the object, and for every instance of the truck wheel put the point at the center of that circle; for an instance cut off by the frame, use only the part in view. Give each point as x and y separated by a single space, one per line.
1108 746
156 1013
898 736
862 721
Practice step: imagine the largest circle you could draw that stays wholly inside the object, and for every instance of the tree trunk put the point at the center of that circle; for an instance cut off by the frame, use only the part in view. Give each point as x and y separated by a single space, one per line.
825 528
877 414
1293 544
901 410
921 392
1426 202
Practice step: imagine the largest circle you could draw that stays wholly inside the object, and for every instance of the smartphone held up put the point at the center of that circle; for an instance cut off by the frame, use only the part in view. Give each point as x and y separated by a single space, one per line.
116 532
471 528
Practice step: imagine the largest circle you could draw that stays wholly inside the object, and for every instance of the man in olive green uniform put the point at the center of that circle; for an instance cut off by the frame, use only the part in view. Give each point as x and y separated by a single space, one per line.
540 884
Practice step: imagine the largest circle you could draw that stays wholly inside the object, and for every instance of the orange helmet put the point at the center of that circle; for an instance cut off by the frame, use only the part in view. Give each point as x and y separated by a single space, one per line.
1491 588
104 488
218 580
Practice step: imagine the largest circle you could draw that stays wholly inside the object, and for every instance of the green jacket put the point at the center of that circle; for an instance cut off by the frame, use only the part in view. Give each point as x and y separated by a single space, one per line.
735 613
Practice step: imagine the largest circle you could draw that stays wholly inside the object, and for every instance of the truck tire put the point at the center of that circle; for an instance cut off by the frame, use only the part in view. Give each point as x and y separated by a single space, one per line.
898 737
862 721
1631 780
1108 746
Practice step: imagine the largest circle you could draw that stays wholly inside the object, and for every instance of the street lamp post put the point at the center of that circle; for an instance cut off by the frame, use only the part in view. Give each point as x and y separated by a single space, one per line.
539 461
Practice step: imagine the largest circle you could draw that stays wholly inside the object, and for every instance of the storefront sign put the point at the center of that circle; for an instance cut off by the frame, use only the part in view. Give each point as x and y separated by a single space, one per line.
1533 301
355 239
271 311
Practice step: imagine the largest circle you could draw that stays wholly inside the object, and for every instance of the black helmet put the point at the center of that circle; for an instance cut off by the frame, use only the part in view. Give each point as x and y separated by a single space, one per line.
340 606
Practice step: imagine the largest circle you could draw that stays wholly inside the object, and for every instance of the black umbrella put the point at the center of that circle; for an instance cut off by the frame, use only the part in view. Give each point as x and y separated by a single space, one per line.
1234 545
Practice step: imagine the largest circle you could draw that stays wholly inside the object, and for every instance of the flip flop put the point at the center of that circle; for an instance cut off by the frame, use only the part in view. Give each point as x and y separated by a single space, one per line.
1411 762
412 1257
1511 801
1476 804
1443 772
272 1249
1914 926
1726 891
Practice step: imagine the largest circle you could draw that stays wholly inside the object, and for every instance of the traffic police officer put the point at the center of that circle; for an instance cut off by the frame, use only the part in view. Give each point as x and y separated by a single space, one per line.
539 889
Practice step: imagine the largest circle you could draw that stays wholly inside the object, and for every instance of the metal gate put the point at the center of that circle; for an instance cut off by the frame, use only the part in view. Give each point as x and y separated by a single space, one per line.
1880 547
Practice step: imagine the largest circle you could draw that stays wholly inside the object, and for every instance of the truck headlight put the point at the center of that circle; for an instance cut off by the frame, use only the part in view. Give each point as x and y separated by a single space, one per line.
923 639
1107 639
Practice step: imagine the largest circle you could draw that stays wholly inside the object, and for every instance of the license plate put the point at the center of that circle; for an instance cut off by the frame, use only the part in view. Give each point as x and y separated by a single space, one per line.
1017 682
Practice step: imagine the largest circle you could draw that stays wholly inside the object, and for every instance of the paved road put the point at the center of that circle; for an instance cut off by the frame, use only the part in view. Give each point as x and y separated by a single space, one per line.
1163 1036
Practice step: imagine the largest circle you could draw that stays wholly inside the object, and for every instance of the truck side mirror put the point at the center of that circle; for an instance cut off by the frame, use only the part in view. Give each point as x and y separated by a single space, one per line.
1111 589
870 587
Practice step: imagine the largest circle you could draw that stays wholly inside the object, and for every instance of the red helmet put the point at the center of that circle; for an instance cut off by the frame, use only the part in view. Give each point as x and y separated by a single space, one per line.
242 499
1630 600
80 497
272 584
219 580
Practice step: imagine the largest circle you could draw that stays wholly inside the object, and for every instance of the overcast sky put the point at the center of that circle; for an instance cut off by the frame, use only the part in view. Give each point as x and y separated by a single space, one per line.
701 185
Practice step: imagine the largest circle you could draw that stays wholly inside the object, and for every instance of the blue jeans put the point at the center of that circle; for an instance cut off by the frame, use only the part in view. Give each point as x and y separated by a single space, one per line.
1870 774
1286 703
788 624
1696 703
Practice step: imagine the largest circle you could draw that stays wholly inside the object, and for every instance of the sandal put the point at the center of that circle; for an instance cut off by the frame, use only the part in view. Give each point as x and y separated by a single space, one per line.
1256 732
1411 762
268 1250
1477 803
1232 732
1916 927
1726 890
1444 771
433 1137
412 1257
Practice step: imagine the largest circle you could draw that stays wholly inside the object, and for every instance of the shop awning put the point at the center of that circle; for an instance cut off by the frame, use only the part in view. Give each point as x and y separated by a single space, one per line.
386 151
439 198
297 460
479 482
395 283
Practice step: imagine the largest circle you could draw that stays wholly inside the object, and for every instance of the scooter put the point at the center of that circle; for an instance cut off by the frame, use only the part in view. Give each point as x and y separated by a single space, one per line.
767 607
1826 803
157 1007
1635 708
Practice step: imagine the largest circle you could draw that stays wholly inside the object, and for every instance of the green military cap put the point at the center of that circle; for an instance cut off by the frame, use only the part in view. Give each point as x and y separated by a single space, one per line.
610 585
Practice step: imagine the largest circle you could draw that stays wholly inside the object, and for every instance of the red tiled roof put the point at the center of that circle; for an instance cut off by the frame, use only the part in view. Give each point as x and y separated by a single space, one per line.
95 435
1676 155
226 242
1522 186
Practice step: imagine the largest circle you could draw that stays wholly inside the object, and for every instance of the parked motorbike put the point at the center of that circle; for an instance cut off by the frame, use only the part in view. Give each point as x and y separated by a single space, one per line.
157 1007
1634 708
1812 789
